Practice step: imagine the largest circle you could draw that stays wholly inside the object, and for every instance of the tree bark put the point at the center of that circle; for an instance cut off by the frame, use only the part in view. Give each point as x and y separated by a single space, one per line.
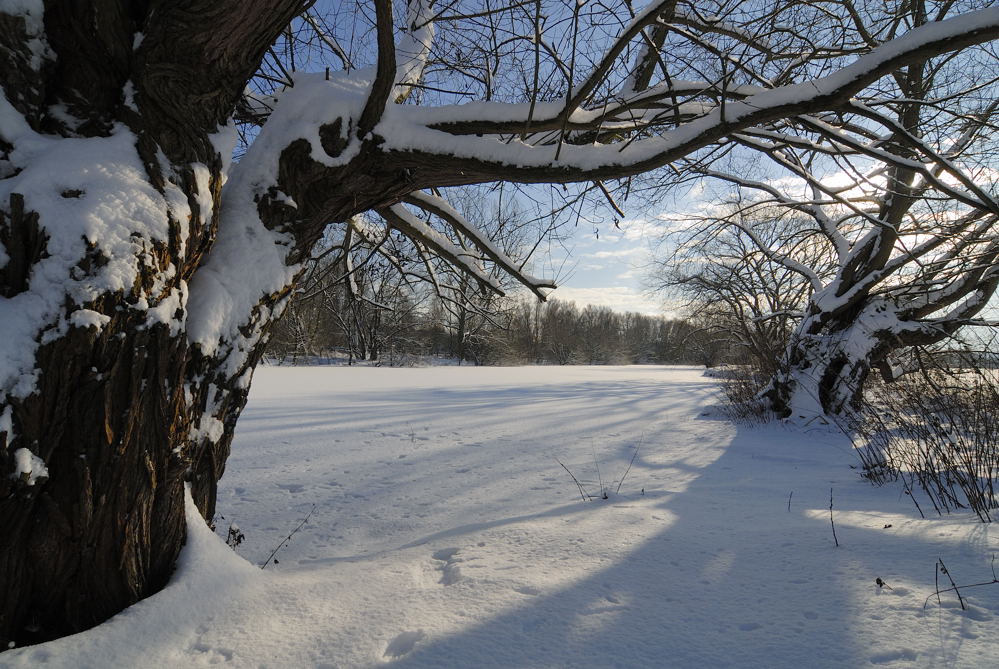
111 417
97 442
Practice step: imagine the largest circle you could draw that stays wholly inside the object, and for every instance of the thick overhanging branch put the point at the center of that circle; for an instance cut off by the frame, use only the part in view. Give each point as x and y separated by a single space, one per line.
490 158
381 87
825 93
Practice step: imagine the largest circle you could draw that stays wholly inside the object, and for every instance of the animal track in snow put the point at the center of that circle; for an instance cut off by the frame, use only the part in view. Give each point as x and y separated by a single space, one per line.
212 655
889 657
450 572
403 643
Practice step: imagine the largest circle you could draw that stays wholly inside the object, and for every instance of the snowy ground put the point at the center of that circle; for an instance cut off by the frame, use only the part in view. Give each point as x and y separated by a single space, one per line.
446 534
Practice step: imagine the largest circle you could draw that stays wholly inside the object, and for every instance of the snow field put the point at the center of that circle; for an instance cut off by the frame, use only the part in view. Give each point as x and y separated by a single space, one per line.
446 534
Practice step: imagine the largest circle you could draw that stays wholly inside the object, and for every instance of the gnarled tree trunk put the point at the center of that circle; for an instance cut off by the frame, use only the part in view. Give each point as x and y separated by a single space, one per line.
824 373
833 352
110 202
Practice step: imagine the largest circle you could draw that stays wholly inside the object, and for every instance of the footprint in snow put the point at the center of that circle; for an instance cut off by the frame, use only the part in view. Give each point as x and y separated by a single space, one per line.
450 572
906 655
445 554
404 643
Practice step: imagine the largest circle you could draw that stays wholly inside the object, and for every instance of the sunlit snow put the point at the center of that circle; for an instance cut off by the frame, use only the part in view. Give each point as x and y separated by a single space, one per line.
445 533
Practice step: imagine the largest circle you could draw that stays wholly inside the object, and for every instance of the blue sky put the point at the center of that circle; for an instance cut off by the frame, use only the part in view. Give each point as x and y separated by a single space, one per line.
607 267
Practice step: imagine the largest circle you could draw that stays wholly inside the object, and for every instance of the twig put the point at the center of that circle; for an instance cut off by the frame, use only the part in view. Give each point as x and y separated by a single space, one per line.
789 501
943 570
288 538
830 516
633 456
971 585
908 491
600 480
940 568
582 493
936 585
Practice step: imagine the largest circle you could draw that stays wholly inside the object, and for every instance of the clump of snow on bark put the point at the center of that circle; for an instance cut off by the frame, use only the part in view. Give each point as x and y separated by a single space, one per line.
87 192
224 141
209 427
298 113
28 467
92 196
88 318
7 423
33 12
167 310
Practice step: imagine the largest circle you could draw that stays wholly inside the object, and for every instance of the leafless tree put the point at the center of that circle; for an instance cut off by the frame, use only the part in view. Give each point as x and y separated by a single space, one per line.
898 188
723 268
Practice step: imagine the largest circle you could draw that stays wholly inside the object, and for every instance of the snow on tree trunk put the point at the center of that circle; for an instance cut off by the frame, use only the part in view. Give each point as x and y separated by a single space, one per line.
829 358
109 205
95 378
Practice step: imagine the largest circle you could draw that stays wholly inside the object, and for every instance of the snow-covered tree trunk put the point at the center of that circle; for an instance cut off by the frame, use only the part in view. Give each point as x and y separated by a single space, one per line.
825 366
113 164
833 351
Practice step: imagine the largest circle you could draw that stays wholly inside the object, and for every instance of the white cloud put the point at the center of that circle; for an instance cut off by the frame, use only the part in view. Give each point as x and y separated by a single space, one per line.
641 228
619 253
618 298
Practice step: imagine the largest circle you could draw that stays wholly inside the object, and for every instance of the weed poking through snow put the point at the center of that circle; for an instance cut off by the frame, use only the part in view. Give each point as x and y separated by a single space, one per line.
604 493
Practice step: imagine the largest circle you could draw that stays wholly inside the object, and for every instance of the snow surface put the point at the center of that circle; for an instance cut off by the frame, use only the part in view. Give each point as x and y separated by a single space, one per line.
446 534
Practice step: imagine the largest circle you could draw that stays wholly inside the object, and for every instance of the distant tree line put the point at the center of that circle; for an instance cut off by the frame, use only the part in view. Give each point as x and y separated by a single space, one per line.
400 324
